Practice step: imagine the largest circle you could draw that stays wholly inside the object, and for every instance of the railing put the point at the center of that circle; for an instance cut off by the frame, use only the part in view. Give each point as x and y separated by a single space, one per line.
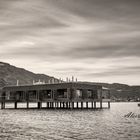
7 98
34 98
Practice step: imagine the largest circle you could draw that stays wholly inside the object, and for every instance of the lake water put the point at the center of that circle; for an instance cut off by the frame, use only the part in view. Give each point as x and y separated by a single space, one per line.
106 124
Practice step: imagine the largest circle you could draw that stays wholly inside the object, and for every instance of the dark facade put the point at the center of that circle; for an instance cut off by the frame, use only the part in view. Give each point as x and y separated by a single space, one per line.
55 94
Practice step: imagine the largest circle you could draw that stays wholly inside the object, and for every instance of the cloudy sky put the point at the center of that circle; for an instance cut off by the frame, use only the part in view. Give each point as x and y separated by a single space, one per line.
93 40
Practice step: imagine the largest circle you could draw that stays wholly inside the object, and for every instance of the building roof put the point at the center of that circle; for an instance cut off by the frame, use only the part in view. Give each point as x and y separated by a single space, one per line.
54 86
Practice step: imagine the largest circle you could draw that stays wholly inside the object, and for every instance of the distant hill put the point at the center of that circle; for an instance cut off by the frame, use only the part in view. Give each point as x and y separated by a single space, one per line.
10 74
122 92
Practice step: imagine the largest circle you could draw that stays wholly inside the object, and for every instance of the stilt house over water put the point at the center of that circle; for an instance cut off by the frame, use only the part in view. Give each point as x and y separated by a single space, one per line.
68 95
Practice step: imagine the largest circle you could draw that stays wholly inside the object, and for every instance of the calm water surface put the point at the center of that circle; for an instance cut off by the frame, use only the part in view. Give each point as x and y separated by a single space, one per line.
107 124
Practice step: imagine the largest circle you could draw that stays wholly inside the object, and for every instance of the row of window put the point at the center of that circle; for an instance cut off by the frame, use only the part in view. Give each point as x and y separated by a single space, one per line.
47 94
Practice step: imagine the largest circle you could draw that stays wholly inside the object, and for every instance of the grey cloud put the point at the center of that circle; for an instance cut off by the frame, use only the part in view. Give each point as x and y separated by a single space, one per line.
71 31
50 52
122 71
120 10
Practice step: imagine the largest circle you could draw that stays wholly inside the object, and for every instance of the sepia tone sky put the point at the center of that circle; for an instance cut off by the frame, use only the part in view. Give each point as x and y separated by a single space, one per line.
93 40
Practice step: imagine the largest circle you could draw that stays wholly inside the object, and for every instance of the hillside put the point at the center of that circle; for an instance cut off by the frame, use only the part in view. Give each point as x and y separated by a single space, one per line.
10 74
122 92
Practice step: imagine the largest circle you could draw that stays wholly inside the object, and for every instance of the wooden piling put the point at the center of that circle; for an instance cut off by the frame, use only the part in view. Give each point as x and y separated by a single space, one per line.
81 105
55 105
15 105
2 105
86 104
94 105
72 105
67 105
39 105
27 104
108 104
100 104
77 105
63 104
60 105
47 104
52 104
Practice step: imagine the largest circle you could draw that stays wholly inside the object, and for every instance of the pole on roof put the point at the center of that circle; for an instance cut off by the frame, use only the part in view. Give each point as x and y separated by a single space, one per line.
17 82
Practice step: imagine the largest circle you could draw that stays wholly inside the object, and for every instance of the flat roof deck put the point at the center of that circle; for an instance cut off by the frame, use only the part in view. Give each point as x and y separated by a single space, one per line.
53 86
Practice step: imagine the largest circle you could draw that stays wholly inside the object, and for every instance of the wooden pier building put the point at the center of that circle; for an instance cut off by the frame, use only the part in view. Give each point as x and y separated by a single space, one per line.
70 95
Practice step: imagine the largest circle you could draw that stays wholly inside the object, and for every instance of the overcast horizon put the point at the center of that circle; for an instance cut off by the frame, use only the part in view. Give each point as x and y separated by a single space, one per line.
93 40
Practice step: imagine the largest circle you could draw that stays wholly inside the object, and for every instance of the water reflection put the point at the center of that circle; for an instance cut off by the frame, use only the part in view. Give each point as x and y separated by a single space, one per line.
105 124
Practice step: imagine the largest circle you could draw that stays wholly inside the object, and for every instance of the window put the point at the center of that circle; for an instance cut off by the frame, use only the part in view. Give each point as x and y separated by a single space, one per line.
89 93
78 93
62 93
45 94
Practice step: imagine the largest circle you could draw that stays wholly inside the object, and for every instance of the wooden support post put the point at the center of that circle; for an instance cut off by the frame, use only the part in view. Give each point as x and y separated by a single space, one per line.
72 105
63 104
67 105
86 104
27 104
39 104
60 105
2 105
52 104
101 104
77 105
109 104
94 105
57 104
27 98
15 105
81 105
47 105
